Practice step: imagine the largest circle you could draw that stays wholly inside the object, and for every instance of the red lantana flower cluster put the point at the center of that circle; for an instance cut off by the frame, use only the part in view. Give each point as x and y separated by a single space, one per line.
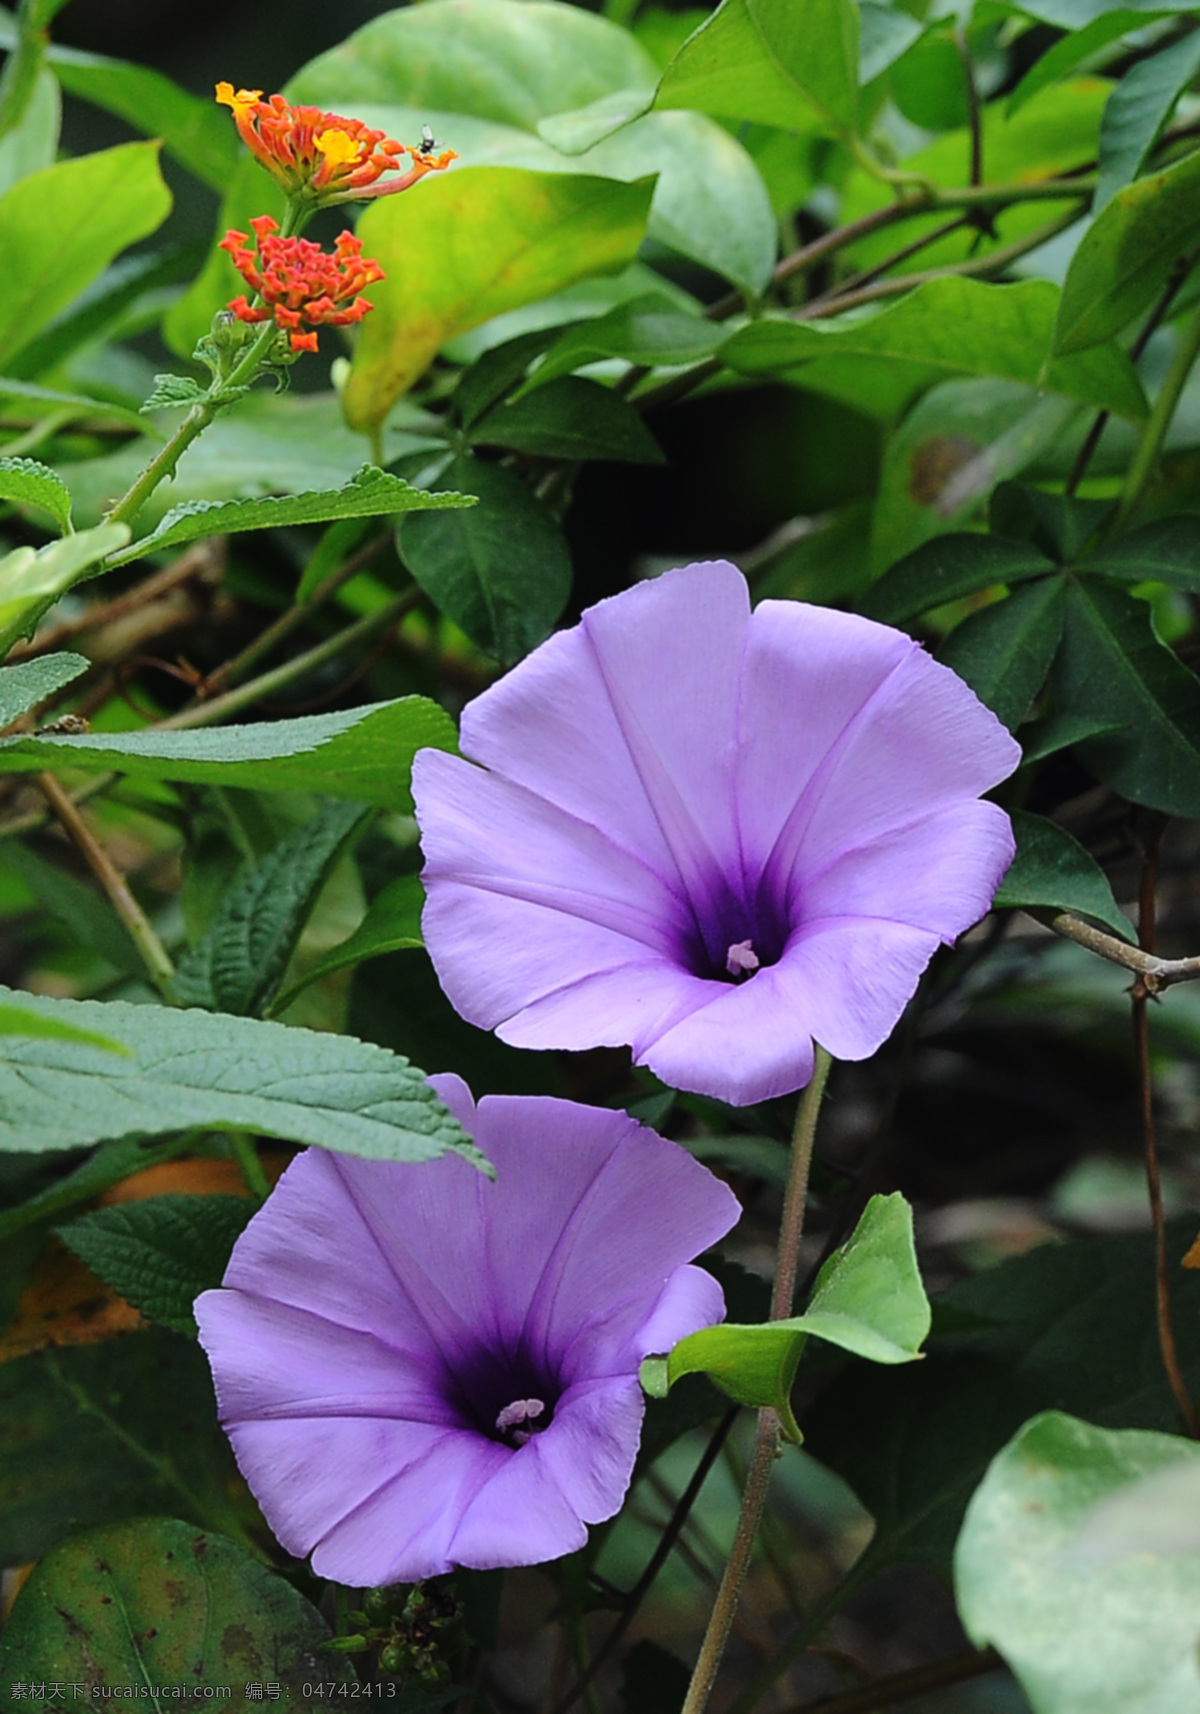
301 286
320 156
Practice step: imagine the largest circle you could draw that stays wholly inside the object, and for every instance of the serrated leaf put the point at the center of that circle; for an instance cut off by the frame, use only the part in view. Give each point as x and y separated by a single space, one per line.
96 205
238 966
868 1299
1166 550
571 418
1004 651
959 563
192 1068
364 754
502 572
1112 667
32 484
171 390
26 683
1052 871
1126 256
161 1253
95 1612
392 924
30 583
1138 109
1082 1635
371 493
957 327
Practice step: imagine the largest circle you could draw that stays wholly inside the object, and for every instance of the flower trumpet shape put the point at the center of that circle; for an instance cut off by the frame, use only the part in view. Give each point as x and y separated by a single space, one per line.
715 835
299 283
421 1368
321 158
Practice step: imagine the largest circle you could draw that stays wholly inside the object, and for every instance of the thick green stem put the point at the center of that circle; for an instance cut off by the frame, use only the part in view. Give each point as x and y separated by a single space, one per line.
767 1440
1159 421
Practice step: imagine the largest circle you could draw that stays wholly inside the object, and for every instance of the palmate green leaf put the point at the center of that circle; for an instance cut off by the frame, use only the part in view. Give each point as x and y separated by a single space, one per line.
1066 1326
502 572
25 684
773 61
1138 109
1083 1634
238 966
96 206
957 326
571 418
161 1253
1166 550
370 493
360 753
1004 651
647 330
183 1069
1060 525
95 1612
1112 668
868 1299
392 924
1126 255
85 1440
950 566
32 484
471 246
1052 871
30 583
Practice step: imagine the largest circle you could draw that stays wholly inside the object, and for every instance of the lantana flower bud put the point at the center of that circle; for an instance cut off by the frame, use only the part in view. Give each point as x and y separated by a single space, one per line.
302 287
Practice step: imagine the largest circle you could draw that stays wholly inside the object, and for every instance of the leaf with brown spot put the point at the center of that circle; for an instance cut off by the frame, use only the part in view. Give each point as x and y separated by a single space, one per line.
62 1304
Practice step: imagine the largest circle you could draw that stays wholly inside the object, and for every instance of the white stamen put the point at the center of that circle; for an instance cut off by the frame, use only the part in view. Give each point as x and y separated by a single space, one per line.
741 958
521 1410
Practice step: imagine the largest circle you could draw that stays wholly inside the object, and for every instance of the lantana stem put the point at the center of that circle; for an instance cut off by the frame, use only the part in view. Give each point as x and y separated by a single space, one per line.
767 1440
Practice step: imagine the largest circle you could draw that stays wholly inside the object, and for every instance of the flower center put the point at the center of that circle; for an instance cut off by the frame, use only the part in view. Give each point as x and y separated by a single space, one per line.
512 1418
741 959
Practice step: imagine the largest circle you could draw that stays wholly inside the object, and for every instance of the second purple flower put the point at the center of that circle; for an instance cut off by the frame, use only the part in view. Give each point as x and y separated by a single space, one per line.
715 835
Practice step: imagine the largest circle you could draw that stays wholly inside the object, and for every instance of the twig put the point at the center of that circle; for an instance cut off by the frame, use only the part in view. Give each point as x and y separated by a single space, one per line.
1140 995
767 1439
154 954
201 558
1154 974
1154 433
901 1686
964 53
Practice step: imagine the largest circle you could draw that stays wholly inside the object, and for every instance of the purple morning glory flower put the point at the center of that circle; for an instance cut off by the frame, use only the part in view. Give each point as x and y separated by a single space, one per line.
420 1368
715 835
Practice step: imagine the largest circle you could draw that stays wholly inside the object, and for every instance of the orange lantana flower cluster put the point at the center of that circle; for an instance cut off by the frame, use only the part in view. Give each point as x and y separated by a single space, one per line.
302 287
321 157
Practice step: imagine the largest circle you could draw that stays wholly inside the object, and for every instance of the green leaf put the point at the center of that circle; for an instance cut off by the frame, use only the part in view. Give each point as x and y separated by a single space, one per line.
99 1171
502 571
868 1299
1067 1325
1058 524
1113 668
95 206
392 924
156 1602
885 35
32 144
26 683
571 418
199 134
1137 111
360 753
1126 256
30 583
1082 1636
955 326
32 484
1072 49
1005 650
85 1440
238 966
161 1253
576 132
946 568
471 246
76 405
192 1068
370 493
1052 871
496 373
1166 550
646 330
20 1021
84 912
772 61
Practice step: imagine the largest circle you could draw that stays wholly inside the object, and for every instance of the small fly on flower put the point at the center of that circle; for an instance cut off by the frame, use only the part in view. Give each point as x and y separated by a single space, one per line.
428 142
